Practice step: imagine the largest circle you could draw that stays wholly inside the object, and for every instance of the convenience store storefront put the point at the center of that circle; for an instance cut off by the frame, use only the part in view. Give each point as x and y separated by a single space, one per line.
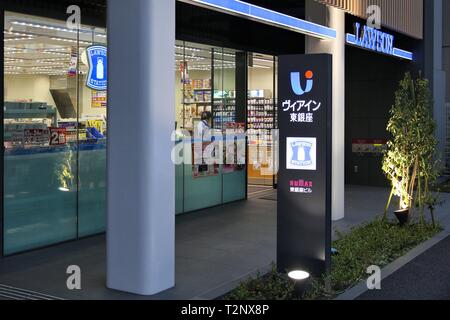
55 129
55 126
224 64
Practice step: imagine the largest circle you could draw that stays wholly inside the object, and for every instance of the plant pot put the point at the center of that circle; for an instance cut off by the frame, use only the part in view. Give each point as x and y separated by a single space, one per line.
402 216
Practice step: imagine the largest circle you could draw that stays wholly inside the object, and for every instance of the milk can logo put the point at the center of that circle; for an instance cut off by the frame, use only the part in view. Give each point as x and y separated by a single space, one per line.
297 85
97 77
301 154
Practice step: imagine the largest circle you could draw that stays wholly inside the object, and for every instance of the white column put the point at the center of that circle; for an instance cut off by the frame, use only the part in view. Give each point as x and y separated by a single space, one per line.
334 18
141 118
337 21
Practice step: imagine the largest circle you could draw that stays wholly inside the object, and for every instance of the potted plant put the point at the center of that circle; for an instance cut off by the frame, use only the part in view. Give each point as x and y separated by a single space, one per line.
409 162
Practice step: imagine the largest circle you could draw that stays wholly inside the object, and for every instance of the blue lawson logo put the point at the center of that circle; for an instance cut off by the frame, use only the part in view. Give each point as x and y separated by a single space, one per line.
296 82
97 78
301 153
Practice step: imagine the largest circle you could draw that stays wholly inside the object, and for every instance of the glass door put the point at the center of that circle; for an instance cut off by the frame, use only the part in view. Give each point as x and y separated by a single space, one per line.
261 121
205 92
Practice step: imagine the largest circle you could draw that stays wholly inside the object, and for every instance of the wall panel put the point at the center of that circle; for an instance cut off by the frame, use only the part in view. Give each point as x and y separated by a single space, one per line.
404 16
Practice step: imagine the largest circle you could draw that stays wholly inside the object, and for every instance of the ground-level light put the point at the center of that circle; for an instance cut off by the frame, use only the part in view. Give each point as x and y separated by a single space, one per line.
301 279
298 275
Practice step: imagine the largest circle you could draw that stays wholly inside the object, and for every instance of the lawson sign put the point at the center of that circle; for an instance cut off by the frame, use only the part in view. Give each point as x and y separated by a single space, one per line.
375 40
97 78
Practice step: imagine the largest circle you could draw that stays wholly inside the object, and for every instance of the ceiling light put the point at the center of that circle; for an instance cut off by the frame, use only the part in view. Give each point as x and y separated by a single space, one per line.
56 28
17 34
263 60
70 40
13 60
17 39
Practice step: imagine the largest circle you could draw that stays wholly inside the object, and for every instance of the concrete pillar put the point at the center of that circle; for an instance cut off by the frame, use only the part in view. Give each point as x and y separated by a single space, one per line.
141 118
333 18
439 78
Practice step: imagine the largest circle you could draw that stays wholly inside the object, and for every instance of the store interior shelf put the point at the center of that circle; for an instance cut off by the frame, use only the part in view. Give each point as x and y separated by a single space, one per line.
198 102
15 114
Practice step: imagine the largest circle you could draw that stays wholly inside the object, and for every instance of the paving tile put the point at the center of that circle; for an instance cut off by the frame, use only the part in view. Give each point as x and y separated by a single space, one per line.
213 247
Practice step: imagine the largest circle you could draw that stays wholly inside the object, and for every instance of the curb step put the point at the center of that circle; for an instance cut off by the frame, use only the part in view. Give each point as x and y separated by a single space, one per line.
12 293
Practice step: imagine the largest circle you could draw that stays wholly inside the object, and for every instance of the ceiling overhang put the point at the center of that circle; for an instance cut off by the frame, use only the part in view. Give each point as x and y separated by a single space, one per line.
267 16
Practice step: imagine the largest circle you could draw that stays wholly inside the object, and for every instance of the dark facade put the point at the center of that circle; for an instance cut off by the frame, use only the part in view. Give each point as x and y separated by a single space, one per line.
371 82
201 25
93 11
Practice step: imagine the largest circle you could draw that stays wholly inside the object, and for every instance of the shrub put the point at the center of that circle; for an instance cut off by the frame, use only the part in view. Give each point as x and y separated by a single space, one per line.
272 286
377 243
409 162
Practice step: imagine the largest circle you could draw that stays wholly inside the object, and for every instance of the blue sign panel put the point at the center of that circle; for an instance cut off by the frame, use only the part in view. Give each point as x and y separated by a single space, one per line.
98 66
269 16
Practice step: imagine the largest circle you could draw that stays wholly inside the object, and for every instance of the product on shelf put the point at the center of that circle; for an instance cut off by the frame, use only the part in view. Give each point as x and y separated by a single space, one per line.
26 124
262 118
224 112
196 100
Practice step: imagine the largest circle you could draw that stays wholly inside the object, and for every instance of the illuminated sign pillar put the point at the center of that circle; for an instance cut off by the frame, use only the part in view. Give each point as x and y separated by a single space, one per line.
141 174
304 178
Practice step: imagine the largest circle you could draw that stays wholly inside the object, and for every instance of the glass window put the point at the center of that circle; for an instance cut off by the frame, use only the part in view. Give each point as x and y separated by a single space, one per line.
202 183
92 124
205 93
54 172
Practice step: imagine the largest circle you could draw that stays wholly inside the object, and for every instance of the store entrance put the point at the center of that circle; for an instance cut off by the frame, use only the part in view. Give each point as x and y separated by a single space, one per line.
261 123
223 89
